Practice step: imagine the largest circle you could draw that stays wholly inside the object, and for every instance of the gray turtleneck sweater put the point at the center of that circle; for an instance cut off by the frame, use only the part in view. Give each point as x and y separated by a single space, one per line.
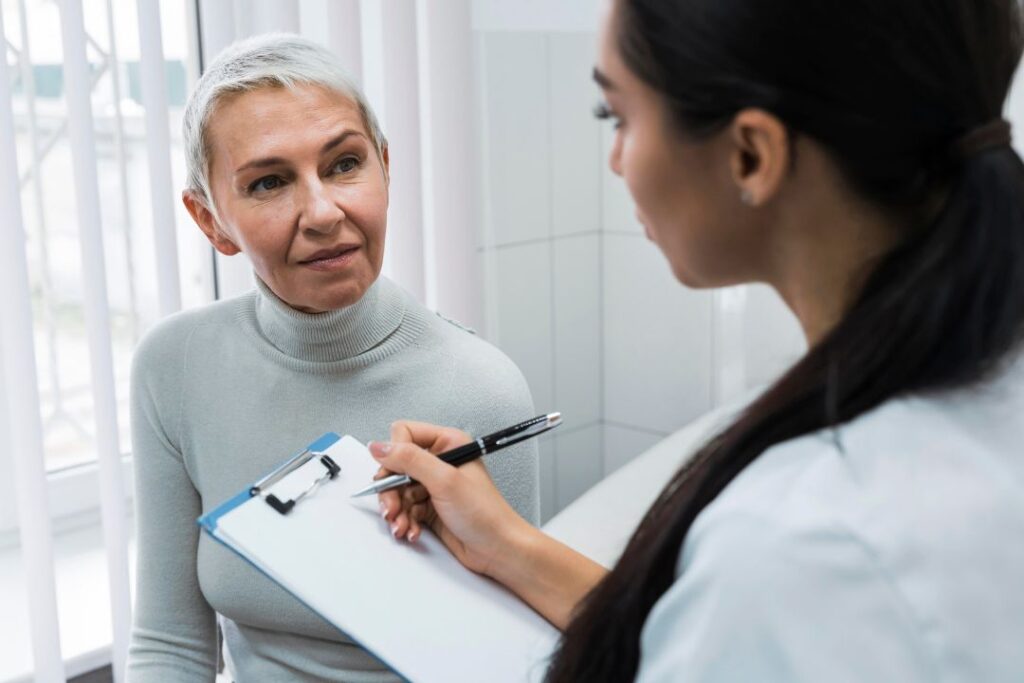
222 394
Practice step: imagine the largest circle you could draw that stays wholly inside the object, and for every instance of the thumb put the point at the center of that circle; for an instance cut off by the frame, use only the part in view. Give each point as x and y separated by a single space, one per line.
408 458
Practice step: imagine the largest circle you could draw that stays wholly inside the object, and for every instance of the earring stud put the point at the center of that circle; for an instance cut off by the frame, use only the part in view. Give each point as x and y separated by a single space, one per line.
747 197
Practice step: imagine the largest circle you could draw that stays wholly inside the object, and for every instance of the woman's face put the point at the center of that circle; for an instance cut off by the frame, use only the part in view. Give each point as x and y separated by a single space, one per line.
300 189
684 192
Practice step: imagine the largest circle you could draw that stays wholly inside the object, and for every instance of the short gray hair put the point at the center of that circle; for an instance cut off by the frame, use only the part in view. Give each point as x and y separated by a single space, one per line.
267 60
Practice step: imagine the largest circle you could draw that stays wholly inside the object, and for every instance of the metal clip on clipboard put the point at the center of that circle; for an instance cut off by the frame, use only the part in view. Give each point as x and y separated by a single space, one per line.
284 507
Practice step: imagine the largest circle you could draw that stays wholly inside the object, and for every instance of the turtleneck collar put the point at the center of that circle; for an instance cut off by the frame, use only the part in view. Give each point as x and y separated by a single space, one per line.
334 335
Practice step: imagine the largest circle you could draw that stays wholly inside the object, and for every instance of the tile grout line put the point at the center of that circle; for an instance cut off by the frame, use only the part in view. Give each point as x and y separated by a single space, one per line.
576 428
636 428
551 238
556 238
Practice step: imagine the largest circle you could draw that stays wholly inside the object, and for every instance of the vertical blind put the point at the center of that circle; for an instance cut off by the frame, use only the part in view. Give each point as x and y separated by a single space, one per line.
24 424
97 320
415 61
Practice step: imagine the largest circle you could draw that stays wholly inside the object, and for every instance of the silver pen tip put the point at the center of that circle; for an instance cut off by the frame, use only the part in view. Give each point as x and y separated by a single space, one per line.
365 492
554 419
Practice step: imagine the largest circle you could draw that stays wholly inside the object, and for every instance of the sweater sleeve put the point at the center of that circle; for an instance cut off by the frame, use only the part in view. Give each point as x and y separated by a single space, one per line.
174 636
490 393
758 601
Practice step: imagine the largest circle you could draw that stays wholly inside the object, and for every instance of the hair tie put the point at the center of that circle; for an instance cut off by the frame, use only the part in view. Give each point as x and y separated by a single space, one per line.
992 135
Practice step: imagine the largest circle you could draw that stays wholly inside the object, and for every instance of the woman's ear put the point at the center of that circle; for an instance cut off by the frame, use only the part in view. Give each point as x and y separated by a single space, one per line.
385 162
761 155
207 222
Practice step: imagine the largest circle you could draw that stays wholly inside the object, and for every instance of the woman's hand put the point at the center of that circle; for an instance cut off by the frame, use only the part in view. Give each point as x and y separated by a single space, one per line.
460 505
467 512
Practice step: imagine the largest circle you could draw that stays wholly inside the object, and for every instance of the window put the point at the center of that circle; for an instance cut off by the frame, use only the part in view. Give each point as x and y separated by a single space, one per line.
45 170
34 56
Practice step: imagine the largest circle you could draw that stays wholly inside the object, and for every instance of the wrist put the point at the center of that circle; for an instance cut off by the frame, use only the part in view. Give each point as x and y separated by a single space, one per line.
516 544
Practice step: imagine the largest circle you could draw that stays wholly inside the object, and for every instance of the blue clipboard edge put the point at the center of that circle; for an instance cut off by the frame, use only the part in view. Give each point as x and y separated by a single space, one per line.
209 520
209 523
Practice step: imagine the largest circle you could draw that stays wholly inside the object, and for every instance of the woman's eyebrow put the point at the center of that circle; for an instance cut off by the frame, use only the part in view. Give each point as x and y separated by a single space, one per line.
260 163
603 80
337 140
263 162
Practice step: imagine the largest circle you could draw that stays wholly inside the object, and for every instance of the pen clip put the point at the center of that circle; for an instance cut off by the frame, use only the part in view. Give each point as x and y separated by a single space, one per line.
533 430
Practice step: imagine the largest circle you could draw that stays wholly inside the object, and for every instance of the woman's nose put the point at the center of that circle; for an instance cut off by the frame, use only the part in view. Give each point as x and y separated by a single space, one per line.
319 211
615 155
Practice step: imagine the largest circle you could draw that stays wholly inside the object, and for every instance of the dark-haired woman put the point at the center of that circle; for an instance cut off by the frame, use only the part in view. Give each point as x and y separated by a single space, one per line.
863 519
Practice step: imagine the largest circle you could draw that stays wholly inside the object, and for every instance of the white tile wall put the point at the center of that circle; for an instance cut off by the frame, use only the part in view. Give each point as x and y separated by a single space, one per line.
548 477
622 444
523 329
579 462
575 135
576 277
515 106
657 340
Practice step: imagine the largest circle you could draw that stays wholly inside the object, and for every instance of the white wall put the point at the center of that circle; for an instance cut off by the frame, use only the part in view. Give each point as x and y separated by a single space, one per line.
1015 110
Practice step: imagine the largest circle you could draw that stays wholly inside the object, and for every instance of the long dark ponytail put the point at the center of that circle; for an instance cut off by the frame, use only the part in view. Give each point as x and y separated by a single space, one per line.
888 87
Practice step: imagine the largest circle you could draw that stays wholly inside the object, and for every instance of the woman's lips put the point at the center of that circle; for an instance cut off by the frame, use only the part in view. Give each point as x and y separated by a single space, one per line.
331 261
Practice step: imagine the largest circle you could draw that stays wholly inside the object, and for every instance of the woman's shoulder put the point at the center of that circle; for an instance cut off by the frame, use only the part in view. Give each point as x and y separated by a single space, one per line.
760 596
170 337
479 366
864 537
937 479
944 454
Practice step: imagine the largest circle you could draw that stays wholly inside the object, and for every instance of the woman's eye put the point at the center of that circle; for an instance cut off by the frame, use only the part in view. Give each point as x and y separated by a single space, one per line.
346 165
265 184
603 112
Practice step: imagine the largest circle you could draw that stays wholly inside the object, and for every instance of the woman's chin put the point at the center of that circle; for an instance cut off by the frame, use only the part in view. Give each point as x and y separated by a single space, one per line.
326 304
326 298
311 291
690 278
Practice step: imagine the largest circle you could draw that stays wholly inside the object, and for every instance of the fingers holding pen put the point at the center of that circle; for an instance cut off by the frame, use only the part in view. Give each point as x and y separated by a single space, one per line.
432 438
421 515
412 514
413 494
407 458
403 508
408 509
390 501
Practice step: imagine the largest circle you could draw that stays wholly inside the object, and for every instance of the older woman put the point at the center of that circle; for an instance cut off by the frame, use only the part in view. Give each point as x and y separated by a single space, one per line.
287 164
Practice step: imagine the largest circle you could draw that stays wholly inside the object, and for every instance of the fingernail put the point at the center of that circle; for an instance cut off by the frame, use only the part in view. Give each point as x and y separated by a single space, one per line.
394 529
380 448
410 536
383 510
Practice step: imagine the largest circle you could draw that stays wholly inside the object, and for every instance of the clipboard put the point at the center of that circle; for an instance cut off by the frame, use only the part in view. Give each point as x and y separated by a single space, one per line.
413 606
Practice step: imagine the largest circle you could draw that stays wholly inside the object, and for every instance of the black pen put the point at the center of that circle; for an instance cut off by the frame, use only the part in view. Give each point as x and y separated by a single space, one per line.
474 449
